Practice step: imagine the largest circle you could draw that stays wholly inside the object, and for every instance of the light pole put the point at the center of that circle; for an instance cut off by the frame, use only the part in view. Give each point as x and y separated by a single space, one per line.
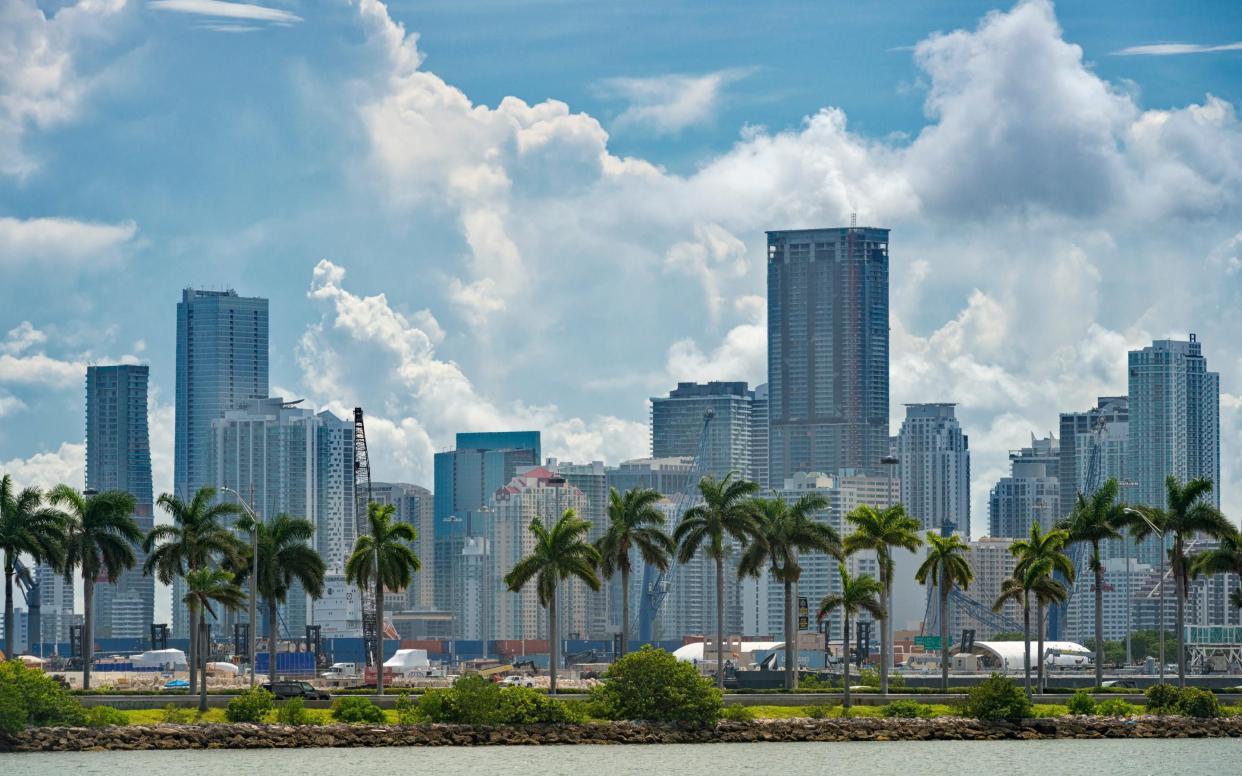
1160 615
254 588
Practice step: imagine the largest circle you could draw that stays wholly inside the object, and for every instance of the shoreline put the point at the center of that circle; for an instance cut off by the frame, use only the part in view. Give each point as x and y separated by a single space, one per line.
252 736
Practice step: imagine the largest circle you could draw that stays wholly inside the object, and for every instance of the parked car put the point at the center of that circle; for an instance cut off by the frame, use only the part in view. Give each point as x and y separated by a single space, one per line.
286 690
517 680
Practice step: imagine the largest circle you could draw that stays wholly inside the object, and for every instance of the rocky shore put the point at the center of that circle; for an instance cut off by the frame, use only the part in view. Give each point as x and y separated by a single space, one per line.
242 736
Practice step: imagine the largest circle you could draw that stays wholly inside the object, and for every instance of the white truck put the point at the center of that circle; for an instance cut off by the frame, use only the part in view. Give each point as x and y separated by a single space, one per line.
342 673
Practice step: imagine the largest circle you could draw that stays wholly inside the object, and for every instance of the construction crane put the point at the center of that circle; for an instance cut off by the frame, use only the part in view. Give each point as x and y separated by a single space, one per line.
975 610
28 583
362 500
656 583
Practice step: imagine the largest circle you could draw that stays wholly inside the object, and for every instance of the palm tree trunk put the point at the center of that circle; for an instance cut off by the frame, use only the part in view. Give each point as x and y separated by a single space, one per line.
1026 641
9 571
271 640
192 637
1099 616
379 635
720 622
886 583
791 639
552 650
845 658
1179 584
1039 655
944 630
88 629
203 653
625 610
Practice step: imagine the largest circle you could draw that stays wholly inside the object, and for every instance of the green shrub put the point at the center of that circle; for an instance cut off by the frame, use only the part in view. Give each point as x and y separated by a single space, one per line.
29 697
528 706
477 700
357 709
907 709
438 705
1198 702
652 685
407 710
814 683
250 706
1115 707
176 715
1081 702
1162 699
105 716
472 700
869 677
737 713
997 698
293 712
819 711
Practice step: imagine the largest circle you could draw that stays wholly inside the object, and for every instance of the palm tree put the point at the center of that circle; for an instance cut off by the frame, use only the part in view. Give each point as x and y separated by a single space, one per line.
858 594
1226 558
945 567
781 532
634 523
1036 580
881 531
1043 549
202 587
285 557
1093 520
196 538
100 535
26 528
725 513
1186 516
560 552
383 558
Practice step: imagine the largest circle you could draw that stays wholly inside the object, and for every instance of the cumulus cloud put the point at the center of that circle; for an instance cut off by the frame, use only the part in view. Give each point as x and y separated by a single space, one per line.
668 104
62 241
47 469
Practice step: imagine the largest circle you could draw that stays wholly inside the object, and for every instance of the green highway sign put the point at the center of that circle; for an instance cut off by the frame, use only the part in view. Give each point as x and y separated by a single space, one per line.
930 643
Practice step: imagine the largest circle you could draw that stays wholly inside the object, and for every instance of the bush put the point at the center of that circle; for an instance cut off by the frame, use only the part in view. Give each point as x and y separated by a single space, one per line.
870 677
1081 702
814 683
652 685
1198 702
472 700
737 713
176 715
1115 707
105 716
997 698
907 709
528 706
250 706
407 710
1162 699
293 712
357 709
819 711
29 697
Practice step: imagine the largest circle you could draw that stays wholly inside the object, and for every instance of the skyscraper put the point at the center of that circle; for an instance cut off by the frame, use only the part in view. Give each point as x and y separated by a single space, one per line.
1174 419
677 425
118 457
222 361
414 506
827 350
1098 435
934 458
1030 494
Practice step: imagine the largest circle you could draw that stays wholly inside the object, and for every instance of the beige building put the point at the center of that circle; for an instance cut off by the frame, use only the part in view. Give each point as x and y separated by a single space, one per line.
992 563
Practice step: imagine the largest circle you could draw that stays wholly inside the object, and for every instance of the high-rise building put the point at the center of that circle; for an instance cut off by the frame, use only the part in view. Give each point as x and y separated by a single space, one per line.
663 475
1174 421
677 423
118 457
222 361
992 563
827 350
55 606
285 459
465 480
1030 494
592 480
934 458
1097 436
415 506
759 437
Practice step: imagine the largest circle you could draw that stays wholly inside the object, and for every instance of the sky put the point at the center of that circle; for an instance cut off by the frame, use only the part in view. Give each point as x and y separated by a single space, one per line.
476 215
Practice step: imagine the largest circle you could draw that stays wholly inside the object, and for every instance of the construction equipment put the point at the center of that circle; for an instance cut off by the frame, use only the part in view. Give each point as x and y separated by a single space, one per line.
975 610
362 501
656 583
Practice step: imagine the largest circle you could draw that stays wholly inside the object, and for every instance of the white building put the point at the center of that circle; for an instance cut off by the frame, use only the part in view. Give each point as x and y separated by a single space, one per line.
1030 494
934 458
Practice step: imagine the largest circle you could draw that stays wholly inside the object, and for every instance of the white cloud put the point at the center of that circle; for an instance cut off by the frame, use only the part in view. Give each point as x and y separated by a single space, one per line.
1171 49
40 369
10 404
226 10
22 337
62 241
40 85
668 104
742 355
66 464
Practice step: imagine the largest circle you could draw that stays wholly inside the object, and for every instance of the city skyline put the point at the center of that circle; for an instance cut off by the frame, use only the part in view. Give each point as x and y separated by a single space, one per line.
1019 281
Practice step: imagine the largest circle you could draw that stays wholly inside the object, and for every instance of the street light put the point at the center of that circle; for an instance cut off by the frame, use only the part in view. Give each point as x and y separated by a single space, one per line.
1160 615
254 588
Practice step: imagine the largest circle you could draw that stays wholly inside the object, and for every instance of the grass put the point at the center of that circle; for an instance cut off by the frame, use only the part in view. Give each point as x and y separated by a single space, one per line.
216 716
836 711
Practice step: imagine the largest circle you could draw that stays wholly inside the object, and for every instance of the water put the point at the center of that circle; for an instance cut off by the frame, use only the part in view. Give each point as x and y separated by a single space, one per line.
1132 757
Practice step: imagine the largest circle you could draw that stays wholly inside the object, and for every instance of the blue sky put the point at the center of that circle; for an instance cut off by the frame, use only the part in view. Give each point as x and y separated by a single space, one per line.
563 203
